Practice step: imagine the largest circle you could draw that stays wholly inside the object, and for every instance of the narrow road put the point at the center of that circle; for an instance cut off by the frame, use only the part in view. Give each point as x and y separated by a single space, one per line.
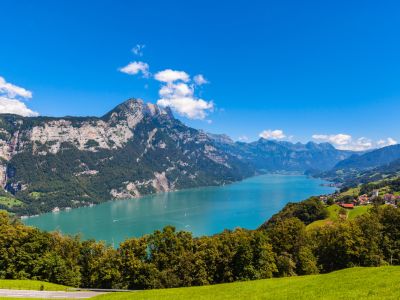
47 294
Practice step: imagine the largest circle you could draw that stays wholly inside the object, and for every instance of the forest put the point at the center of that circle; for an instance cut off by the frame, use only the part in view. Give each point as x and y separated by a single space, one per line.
283 246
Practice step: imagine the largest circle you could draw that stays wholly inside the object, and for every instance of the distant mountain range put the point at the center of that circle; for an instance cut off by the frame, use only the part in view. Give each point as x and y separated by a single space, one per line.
371 166
135 149
275 156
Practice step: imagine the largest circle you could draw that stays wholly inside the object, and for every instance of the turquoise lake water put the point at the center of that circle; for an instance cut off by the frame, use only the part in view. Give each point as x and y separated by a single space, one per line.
203 211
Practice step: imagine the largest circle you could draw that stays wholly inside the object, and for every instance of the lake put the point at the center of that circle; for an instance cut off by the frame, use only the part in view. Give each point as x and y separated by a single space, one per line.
203 211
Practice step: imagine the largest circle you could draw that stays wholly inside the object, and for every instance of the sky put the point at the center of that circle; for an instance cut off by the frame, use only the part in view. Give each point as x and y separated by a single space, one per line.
283 70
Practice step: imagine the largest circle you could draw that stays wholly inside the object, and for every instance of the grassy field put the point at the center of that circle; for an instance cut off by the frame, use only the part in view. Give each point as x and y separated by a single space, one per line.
334 214
9 202
31 285
352 192
355 283
357 211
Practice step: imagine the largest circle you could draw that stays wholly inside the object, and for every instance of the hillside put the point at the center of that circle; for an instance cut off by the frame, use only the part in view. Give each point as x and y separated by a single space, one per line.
370 159
354 177
336 213
355 283
370 166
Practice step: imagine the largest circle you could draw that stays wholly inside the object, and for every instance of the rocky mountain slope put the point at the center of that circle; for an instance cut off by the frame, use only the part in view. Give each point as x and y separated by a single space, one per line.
135 149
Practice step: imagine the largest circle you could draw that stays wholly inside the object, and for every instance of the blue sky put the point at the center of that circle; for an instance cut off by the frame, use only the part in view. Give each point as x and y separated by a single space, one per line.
290 69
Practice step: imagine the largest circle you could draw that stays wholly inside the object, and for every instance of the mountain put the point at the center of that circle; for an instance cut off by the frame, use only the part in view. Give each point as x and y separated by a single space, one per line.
135 149
391 170
371 166
371 159
273 156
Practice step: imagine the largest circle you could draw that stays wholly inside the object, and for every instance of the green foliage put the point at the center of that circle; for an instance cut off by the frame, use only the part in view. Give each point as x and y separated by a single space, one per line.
169 258
307 211
9 202
91 143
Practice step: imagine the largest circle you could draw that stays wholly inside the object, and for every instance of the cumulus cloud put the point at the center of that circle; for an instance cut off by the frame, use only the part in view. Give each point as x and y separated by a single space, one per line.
12 97
14 106
180 98
243 138
178 92
347 142
200 79
272 134
177 89
387 142
336 139
170 76
135 68
138 49
13 91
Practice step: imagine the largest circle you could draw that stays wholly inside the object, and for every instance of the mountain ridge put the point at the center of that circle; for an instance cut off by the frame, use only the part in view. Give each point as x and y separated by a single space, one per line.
135 149
371 166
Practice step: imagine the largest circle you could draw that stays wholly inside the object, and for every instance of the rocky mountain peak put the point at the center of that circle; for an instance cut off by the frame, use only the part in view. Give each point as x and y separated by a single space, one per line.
135 110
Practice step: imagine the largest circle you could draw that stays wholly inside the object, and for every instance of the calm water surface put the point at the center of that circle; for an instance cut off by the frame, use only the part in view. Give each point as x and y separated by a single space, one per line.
203 211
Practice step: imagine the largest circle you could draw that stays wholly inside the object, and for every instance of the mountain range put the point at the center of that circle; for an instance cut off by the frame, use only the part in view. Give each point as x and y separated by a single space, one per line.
135 149
371 166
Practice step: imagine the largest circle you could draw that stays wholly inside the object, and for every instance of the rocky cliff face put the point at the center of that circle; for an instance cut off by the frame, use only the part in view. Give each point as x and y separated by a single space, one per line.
135 149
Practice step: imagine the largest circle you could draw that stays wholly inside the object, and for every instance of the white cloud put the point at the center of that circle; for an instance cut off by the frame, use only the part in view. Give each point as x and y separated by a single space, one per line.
180 98
272 134
336 139
13 91
243 138
135 68
177 90
347 142
388 142
138 49
199 79
14 106
170 76
11 97
361 144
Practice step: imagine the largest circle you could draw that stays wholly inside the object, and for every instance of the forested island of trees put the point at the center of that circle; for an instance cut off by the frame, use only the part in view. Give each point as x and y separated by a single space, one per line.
283 246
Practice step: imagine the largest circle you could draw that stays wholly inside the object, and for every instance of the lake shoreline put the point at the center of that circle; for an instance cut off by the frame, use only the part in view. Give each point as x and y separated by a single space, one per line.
91 204
202 211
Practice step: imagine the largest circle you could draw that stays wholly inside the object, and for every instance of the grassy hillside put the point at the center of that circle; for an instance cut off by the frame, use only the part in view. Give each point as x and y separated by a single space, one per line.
355 283
335 213
31 285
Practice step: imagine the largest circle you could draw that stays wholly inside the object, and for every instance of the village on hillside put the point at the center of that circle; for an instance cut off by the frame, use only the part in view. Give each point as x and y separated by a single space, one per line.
365 194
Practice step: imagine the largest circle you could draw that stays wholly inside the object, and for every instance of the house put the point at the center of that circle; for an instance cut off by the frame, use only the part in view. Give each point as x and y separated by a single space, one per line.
389 199
363 199
347 205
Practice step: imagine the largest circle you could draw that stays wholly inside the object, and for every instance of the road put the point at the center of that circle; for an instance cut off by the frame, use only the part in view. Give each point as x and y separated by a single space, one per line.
47 294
